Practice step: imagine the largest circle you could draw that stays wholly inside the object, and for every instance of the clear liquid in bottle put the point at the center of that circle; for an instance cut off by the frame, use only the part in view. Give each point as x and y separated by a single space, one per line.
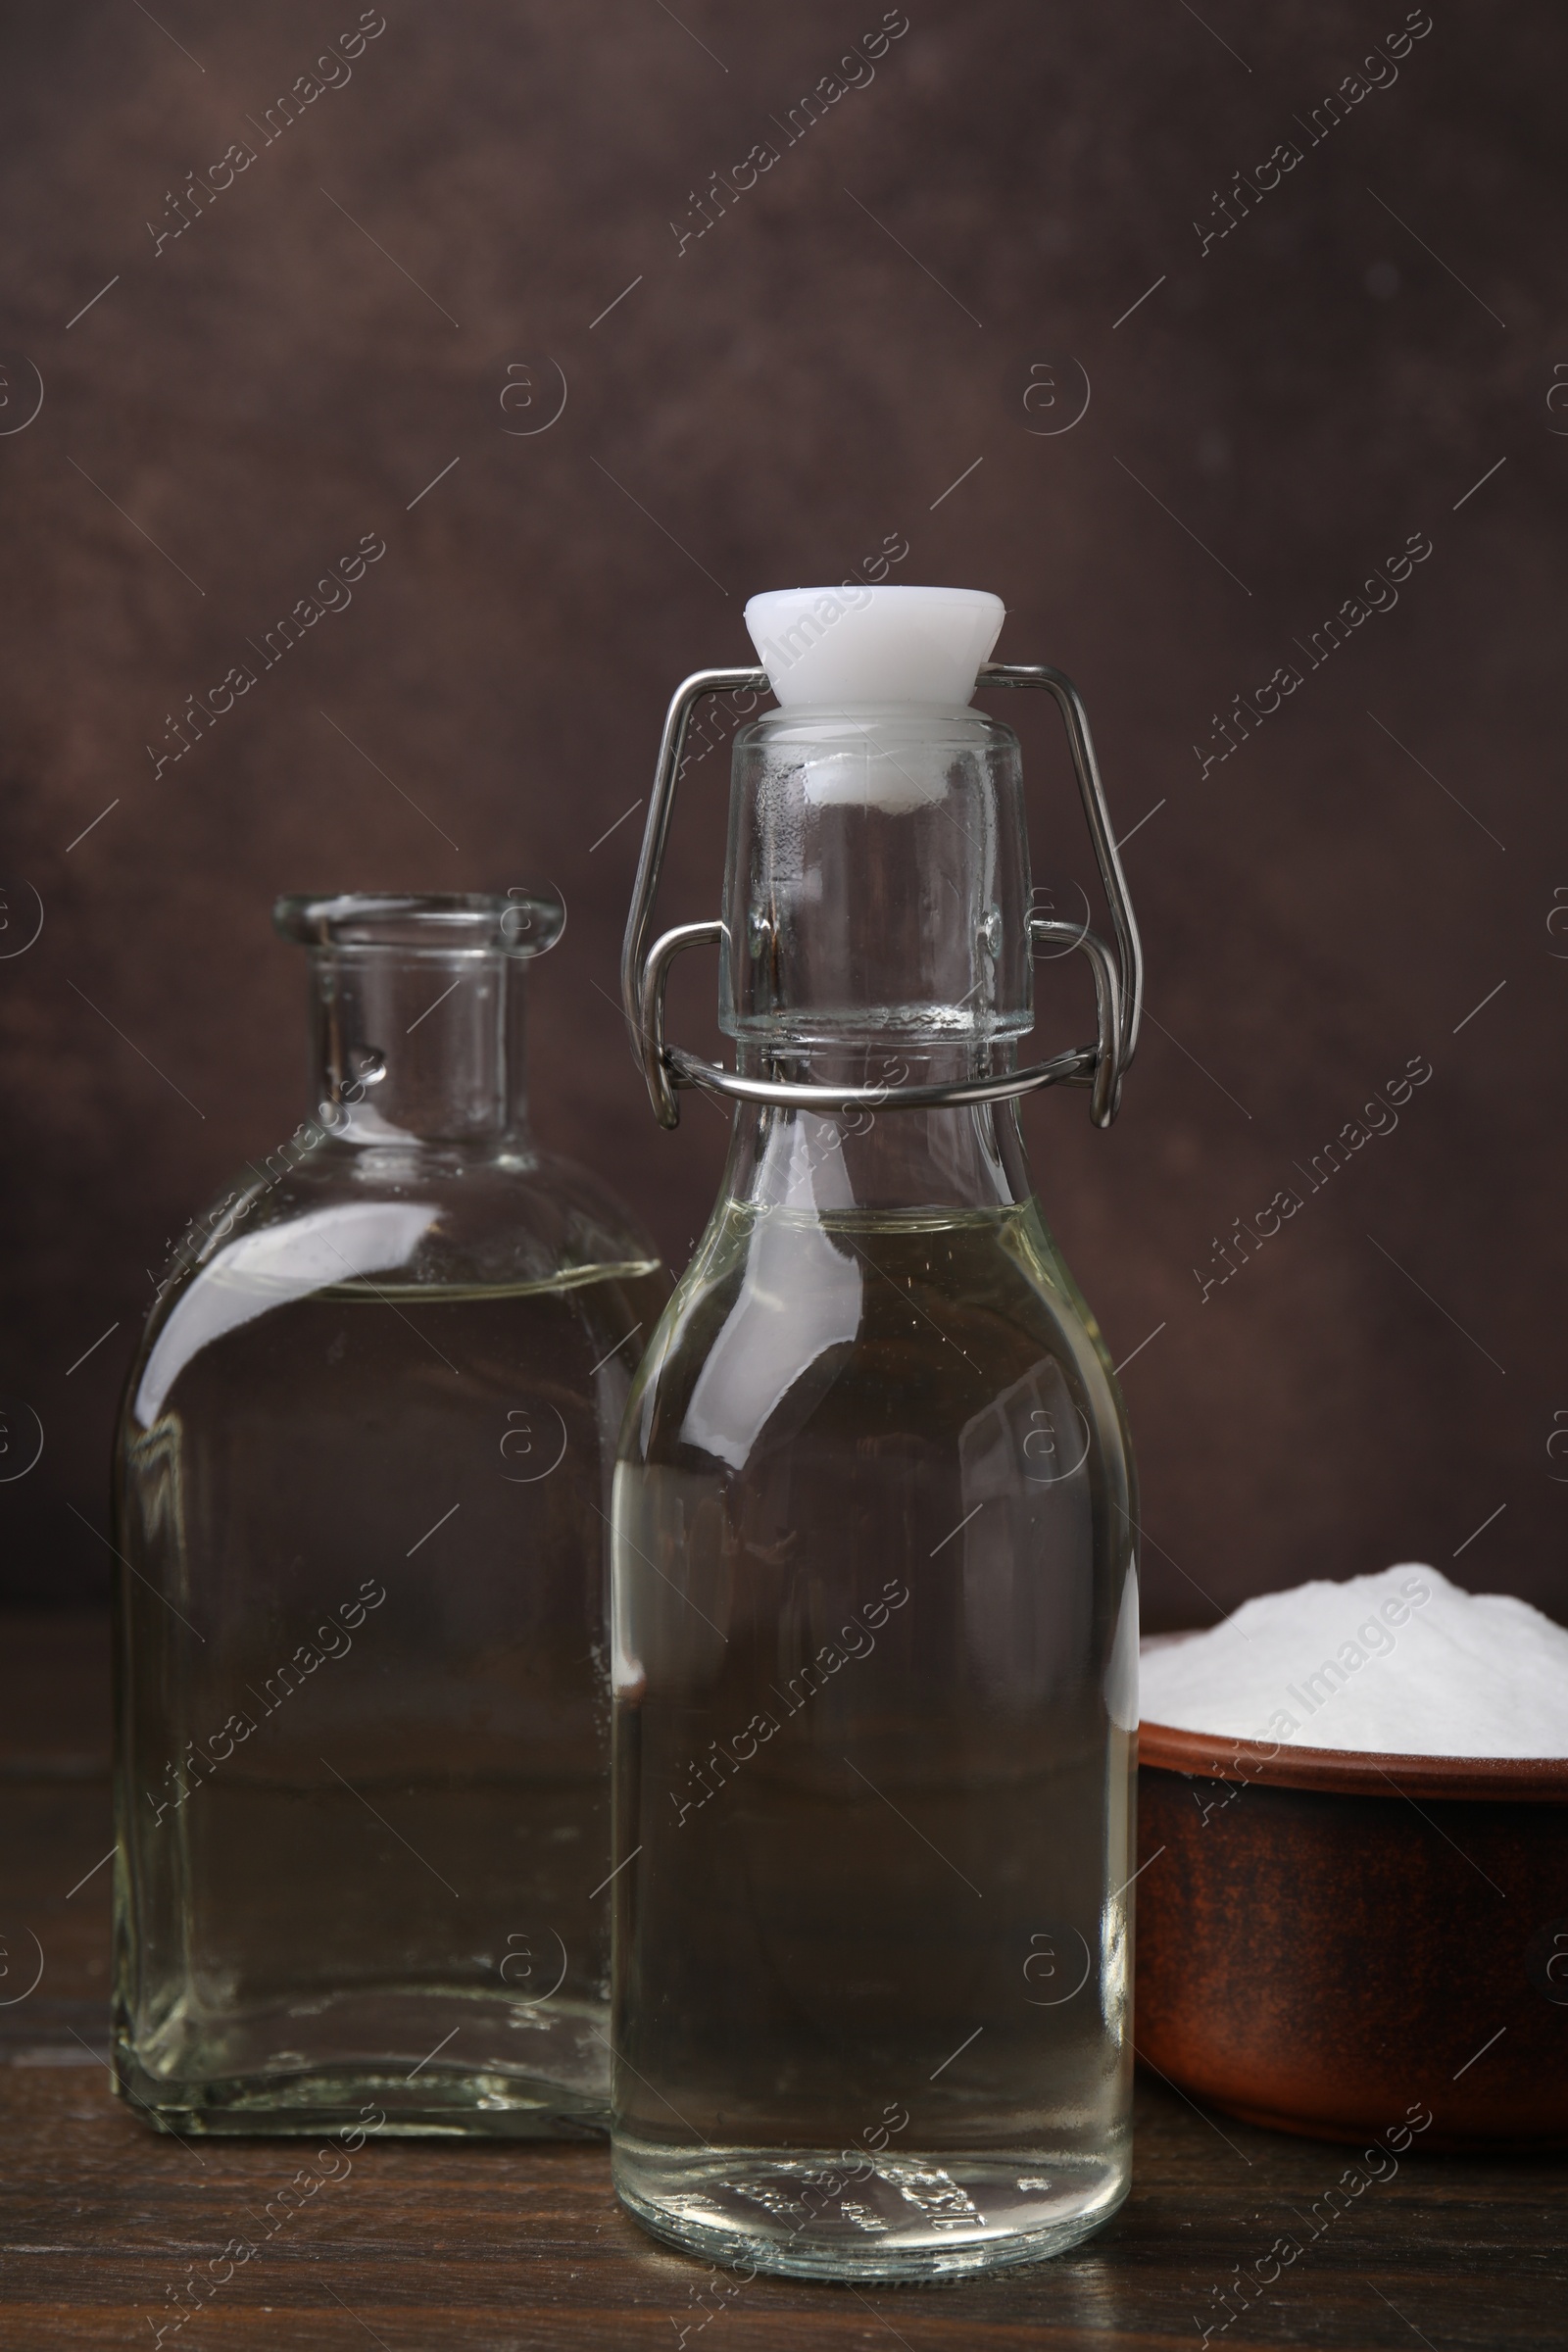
875 1967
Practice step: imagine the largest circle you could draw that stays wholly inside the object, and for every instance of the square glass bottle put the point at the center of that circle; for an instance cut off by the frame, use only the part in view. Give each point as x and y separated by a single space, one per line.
361 1483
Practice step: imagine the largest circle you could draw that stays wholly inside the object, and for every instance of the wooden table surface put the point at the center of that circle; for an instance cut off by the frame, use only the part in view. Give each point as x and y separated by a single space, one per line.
508 2248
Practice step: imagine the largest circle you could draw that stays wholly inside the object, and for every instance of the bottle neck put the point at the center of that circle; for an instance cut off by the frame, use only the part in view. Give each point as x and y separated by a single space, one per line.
876 932
876 881
892 1162
418 1047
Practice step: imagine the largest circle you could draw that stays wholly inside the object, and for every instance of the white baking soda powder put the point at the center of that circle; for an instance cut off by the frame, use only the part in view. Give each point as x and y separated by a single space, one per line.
1404 1663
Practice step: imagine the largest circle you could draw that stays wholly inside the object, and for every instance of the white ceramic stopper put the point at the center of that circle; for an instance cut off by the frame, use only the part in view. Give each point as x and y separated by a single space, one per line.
830 646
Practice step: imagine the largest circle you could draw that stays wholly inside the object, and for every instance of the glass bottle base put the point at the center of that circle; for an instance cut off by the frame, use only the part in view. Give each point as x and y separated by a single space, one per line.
826 2215
395 2065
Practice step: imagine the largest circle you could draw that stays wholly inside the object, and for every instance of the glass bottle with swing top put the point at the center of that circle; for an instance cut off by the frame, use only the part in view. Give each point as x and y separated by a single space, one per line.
875 1592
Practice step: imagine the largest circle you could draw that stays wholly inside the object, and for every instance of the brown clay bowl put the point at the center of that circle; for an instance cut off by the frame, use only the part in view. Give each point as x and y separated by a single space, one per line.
1329 1941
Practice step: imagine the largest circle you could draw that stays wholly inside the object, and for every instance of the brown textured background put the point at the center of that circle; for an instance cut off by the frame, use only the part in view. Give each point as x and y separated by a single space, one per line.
778 397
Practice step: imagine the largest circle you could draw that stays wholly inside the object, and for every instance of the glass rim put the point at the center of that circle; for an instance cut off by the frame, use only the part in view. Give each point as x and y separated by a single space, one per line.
833 722
527 920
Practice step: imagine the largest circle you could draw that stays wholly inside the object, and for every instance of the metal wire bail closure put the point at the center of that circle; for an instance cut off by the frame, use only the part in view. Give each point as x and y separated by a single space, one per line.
1118 974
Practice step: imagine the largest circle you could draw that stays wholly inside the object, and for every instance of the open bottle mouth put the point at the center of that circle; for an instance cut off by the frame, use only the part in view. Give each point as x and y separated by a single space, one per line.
417 1009
527 921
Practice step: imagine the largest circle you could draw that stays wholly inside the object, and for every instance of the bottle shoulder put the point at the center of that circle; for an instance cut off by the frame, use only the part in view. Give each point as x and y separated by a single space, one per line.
432 1218
403 1227
918 1322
